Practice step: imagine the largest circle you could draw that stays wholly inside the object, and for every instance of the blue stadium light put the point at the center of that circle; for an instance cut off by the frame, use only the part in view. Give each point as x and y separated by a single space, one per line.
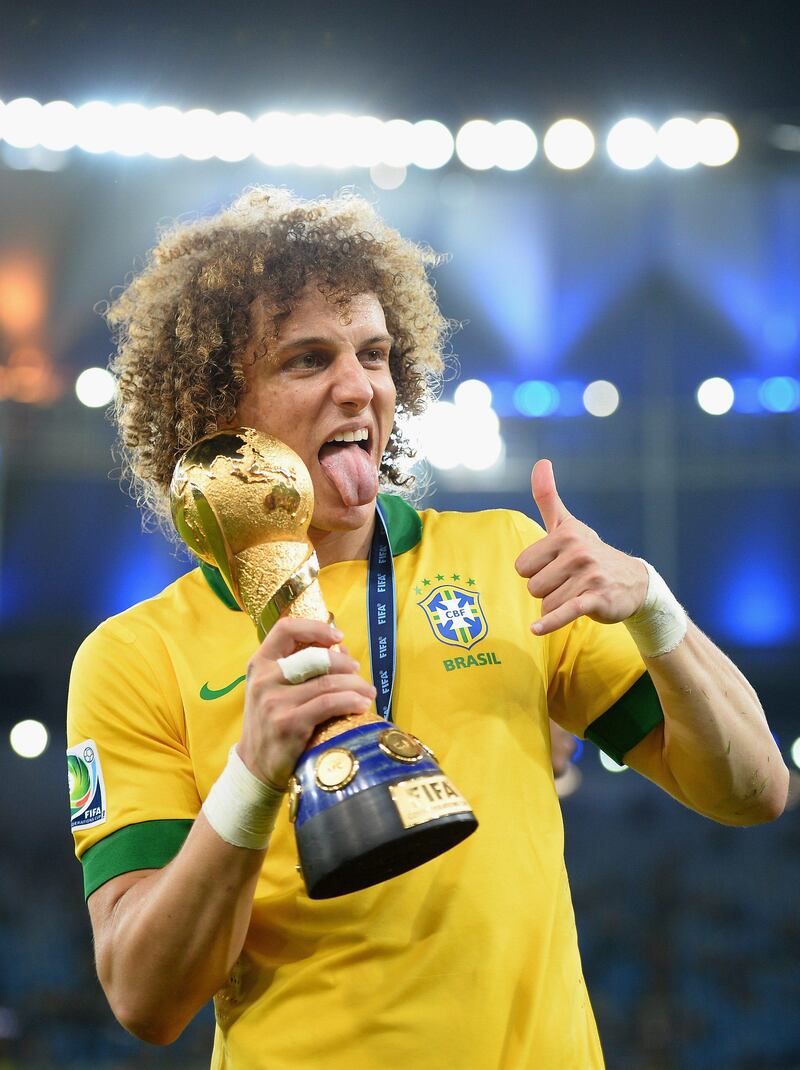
503 391
571 394
781 393
745 395
760 607
536 398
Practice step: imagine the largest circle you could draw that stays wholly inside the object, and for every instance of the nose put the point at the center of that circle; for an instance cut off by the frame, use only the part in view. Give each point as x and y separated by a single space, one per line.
351 388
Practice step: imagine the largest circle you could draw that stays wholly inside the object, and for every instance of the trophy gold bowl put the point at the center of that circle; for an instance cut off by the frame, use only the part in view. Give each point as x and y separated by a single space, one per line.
368 801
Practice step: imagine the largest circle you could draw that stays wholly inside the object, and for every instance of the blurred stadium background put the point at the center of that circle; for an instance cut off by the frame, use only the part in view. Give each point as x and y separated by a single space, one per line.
621 203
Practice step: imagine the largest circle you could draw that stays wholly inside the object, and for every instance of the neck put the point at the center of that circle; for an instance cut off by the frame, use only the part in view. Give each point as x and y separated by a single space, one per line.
332 546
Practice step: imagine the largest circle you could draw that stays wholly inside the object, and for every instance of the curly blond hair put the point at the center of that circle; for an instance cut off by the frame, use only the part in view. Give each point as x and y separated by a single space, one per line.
183 324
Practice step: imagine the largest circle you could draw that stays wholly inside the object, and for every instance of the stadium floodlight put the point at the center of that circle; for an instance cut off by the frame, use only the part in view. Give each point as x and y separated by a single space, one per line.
94 387
717 140
272 138
480 421
131 123
233 137
678 143
196 134
398 143
307 139
433 144
164 132
569 144
345 141
334 135
21 119
601 398
475 144
366 135
515 145
631 144
466 432
58 126
473 394
29 738
715 396
786 136
384 176
95 126
794 751
481 448
441 435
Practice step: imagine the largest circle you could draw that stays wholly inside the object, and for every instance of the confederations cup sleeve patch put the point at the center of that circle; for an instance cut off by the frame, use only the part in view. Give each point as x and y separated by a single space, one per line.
87 791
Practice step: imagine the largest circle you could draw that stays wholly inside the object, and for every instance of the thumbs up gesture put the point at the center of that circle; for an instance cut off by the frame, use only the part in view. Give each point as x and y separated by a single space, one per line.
572 570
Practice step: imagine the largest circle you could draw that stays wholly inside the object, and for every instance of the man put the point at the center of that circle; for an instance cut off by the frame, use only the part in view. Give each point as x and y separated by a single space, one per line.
316 322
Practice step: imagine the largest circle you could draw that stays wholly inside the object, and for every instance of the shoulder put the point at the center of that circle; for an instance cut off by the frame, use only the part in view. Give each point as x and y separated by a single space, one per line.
146 624
507 526
408 526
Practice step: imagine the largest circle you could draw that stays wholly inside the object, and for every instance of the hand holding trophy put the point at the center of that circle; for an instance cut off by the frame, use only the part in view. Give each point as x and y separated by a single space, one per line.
368 801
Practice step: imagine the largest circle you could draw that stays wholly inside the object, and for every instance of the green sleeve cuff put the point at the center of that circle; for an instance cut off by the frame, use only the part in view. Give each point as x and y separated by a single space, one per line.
146 845
628 721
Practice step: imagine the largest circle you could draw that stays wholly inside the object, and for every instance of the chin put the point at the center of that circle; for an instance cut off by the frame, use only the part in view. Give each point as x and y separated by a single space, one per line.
329 516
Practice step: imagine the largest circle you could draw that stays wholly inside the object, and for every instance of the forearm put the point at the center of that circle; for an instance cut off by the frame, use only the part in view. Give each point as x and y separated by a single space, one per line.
166 941
717 746
171 939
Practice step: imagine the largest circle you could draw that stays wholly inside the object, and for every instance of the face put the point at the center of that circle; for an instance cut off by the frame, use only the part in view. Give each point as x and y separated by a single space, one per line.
320 381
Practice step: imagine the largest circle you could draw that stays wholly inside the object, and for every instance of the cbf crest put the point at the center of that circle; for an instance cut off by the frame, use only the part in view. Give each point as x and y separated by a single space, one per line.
455 615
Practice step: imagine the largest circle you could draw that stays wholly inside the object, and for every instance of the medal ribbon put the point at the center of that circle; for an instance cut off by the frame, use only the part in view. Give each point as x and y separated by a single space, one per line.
381 614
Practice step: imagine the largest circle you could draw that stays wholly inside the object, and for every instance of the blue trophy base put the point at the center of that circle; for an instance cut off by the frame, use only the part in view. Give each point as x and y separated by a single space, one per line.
372 803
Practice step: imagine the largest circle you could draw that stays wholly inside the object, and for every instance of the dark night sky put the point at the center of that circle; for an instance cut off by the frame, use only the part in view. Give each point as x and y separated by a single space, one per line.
446 60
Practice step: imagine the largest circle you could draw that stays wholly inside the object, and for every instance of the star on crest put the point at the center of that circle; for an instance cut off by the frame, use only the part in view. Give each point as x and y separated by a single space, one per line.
456 576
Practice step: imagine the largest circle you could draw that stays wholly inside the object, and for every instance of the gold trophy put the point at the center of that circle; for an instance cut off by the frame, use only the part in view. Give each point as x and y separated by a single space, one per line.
367 800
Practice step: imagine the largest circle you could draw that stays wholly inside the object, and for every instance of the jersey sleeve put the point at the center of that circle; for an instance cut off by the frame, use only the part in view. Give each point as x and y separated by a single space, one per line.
133 795
598 685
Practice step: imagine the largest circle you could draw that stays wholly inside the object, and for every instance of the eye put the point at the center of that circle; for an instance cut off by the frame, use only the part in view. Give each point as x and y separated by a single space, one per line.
305 362
375 356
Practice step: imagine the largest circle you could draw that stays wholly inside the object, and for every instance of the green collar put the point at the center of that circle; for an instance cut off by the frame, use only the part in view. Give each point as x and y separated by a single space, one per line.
405 531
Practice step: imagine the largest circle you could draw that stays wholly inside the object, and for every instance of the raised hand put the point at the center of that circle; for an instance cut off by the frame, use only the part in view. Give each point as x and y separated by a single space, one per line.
572 570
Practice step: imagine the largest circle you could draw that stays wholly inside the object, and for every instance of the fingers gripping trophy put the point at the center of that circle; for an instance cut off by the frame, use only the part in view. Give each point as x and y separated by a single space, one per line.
367 800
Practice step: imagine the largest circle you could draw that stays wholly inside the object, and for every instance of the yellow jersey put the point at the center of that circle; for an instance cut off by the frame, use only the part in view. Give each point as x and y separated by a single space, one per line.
469 961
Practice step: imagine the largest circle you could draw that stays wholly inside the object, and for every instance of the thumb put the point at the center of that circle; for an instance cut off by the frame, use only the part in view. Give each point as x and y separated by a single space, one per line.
543 485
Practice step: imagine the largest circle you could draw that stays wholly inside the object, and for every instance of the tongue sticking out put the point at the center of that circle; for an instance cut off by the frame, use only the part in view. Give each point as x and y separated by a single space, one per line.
351 471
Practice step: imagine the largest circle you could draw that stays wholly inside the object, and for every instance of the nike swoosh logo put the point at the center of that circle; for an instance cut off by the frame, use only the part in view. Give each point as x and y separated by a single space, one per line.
208 693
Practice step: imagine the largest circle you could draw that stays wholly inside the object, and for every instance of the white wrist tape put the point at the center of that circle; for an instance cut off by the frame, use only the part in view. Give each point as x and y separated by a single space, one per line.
241 808
301 666
660 624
